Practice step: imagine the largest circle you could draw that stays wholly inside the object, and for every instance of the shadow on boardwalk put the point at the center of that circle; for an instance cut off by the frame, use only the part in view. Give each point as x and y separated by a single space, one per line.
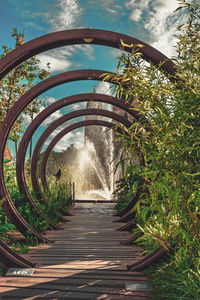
85 262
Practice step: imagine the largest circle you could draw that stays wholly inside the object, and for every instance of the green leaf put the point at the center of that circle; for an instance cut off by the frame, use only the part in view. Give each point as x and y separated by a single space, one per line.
6 227
195 174
144 213
176 196
135 187
177 232
6 160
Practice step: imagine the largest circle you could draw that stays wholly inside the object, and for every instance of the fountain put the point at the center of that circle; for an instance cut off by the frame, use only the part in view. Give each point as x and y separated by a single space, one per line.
91 167
94 179
97 177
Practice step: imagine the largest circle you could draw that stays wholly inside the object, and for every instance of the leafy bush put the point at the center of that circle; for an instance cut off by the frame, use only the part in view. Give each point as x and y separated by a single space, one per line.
58 196
168 148
58 202
126 188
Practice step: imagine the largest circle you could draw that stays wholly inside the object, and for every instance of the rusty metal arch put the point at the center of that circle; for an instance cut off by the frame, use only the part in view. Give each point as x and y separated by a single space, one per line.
39 119
66 131
6 126
59 122
12 115
82 36
11 258
20 54
41 44
23 147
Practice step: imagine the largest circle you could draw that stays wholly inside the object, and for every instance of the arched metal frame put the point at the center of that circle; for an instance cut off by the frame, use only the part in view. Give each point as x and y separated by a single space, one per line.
148 260
82 36
11 258
41 44
59 122
26 137
8 256
12 115
67 130
75 114
45 113
6 126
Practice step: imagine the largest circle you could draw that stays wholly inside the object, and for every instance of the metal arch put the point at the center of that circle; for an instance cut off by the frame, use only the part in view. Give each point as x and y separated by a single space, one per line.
12 115
148 260
63 133
16 219
20 54
24 143
8 256
82 36
59 122
6 126
47 42
11 258
39 119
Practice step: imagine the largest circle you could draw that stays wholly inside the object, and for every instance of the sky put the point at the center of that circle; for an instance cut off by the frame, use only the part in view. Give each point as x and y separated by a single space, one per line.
151 21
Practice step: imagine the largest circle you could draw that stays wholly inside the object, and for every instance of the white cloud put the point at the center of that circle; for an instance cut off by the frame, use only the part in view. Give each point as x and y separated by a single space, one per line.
136 8
74 137
48 100
27 120
56 63
165 6
162 24
78 144
136 15
44 101
115 53
110 6
60 15
59 58
112 11
57 114
68 16
165 41
103 88
159 22
88 50
64 142
78 106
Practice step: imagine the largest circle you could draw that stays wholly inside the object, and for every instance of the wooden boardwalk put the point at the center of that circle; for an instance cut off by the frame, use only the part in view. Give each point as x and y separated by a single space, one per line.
85 262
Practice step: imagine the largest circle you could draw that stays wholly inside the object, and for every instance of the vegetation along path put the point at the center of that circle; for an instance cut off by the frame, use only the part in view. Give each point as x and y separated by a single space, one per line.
85 262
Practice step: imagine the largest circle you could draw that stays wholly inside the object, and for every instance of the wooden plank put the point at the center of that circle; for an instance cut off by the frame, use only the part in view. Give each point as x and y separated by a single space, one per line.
86 261
30 294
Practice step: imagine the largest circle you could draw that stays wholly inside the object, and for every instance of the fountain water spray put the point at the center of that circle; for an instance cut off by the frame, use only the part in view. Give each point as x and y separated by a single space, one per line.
102 169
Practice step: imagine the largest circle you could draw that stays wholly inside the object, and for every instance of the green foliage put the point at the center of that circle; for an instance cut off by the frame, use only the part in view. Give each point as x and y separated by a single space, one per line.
58 202
126 188
174 281
16 83
6 227
168 175
10 175
23 246
58 199
66 160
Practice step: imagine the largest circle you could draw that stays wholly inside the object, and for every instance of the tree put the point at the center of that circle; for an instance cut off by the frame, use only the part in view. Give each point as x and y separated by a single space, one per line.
16 83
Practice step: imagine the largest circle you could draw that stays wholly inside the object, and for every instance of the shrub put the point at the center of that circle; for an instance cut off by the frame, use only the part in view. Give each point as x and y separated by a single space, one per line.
169 150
